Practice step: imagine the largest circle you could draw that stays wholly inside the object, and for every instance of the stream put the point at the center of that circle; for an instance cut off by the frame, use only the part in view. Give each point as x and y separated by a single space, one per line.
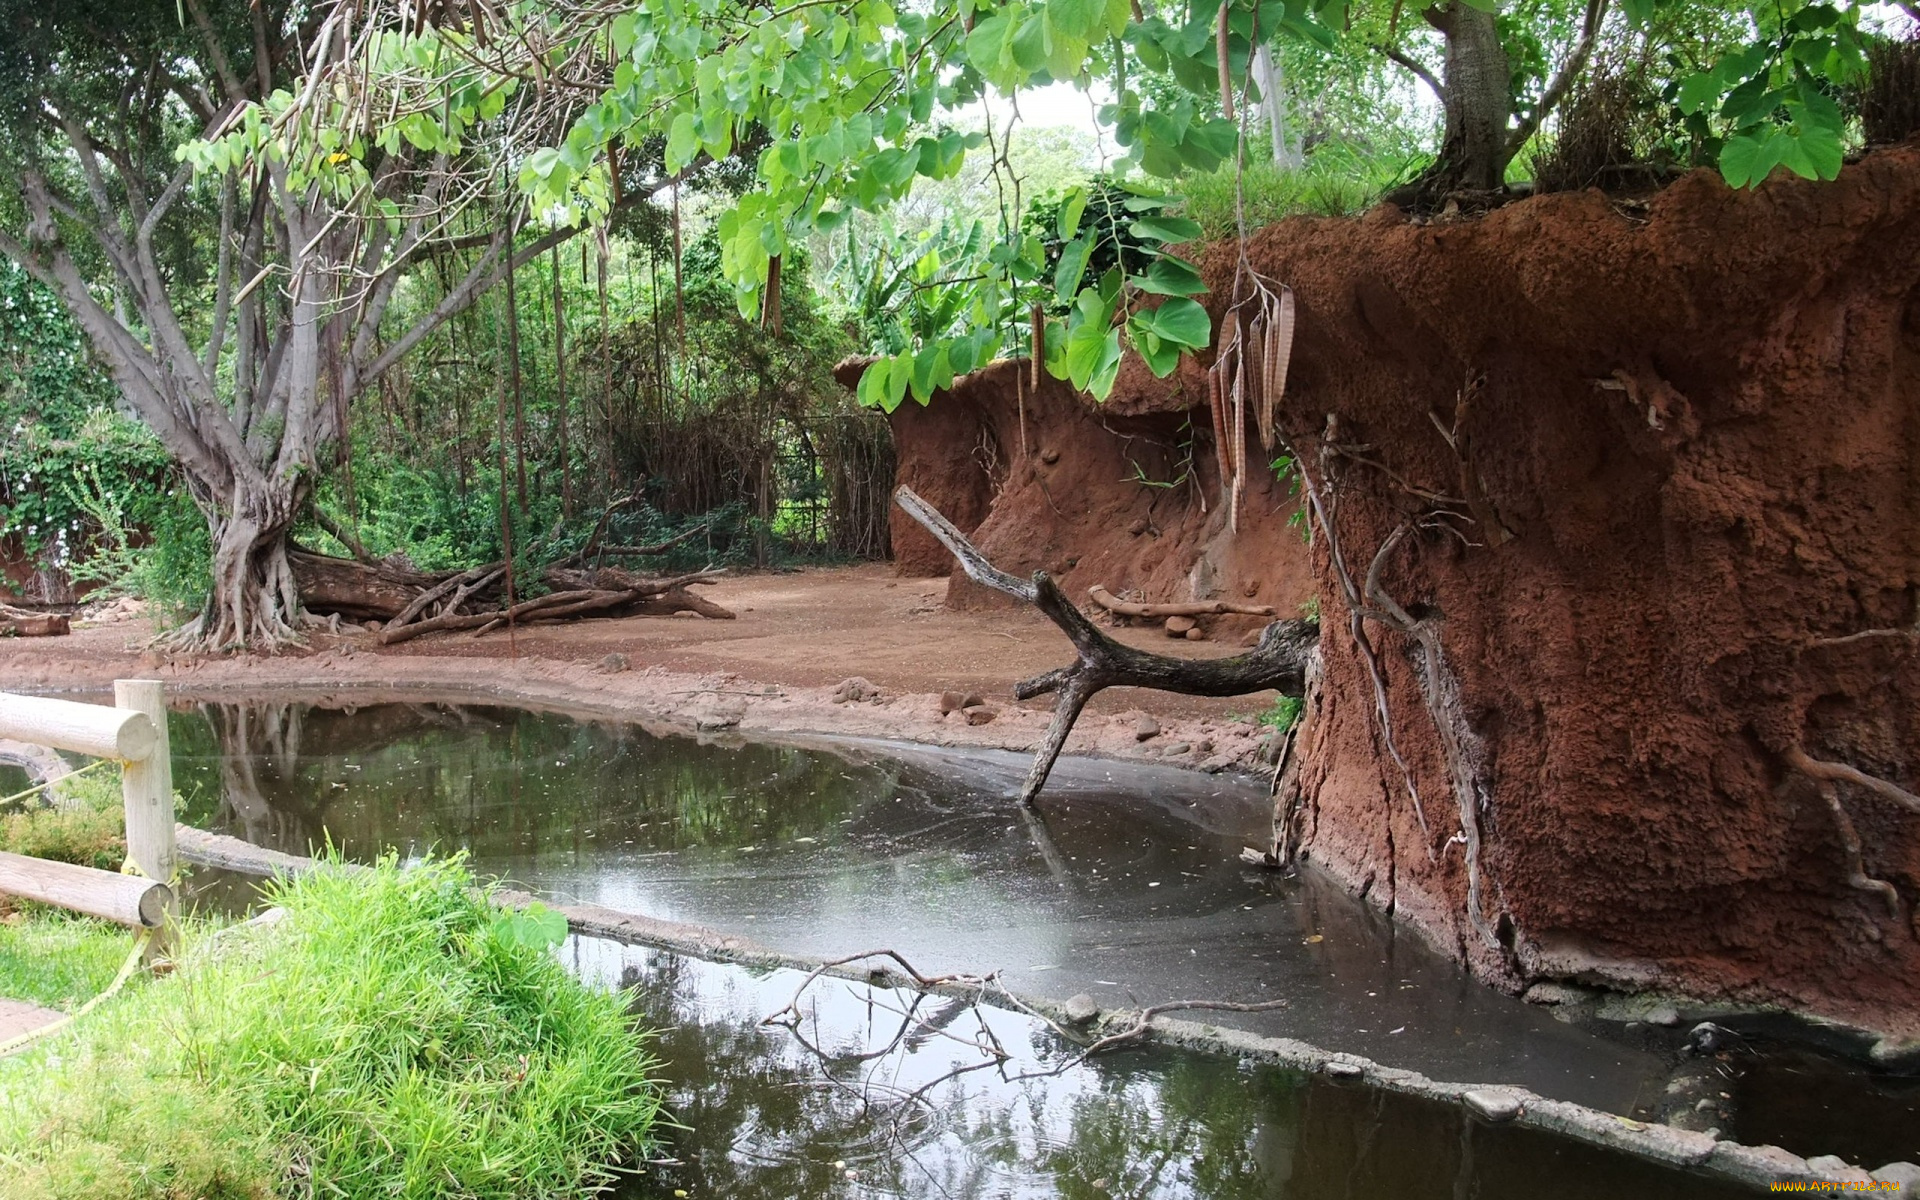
1124 884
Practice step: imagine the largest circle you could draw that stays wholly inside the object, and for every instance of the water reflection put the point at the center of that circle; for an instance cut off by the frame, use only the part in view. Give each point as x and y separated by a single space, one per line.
765 1117
1124 884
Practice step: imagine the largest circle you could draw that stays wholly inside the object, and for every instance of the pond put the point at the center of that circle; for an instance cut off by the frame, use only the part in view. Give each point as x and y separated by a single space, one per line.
1124 884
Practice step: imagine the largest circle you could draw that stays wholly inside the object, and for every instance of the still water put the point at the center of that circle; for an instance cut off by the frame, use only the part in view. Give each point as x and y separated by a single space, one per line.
1123 884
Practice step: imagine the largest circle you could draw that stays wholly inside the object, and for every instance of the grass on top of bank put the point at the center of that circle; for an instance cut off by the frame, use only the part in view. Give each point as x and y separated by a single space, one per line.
393 1035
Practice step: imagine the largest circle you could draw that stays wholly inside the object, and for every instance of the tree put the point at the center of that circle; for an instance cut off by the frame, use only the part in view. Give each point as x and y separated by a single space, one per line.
235 288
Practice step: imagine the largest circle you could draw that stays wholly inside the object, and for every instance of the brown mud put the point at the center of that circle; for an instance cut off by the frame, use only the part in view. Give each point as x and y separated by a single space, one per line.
1699 418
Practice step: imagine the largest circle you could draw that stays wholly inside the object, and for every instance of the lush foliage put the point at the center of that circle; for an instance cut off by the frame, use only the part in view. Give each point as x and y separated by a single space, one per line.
394 1035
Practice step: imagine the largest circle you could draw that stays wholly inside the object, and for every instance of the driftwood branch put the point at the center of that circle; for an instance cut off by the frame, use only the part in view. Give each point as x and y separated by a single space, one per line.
1279 661
1197 608
664 594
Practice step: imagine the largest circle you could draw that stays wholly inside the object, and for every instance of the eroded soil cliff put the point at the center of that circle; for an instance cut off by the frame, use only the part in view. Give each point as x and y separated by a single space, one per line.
1699 421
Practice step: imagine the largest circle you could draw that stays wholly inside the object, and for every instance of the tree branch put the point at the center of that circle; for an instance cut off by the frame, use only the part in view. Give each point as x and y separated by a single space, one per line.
1420 72
1279 661
1556 90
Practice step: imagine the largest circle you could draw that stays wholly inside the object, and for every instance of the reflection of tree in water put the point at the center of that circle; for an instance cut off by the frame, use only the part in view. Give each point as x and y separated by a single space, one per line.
508 785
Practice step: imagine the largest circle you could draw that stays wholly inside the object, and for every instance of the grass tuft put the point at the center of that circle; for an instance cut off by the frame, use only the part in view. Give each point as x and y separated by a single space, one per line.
394 1035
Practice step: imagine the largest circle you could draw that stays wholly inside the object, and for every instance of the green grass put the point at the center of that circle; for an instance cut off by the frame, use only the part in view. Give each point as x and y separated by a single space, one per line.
393 1036
57 960
1337 180
48 956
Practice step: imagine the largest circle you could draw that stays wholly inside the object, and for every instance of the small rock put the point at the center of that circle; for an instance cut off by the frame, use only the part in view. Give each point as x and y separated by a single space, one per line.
1144 728
613 664
717 717
1049 456
1138 527
954 701
1203 746
980 714
374 626
1837 1169
1341 1069
1177 748
1196 634
1216 764
1902 1174
1081 1009
687 613
1898 1054
1663 1014
1554 993
1177 626
857 687
1493 1104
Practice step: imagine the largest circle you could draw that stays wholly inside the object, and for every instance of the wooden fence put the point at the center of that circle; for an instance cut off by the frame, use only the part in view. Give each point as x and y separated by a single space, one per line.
134 732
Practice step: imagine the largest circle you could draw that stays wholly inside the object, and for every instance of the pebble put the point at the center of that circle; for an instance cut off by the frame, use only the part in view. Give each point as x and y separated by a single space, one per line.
980 714
1493 1104
1081 1009
1663 1014
1144 728
1178 748
613 664
1341 1069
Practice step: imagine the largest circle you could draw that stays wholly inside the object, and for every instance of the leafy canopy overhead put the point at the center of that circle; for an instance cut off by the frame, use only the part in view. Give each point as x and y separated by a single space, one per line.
842 106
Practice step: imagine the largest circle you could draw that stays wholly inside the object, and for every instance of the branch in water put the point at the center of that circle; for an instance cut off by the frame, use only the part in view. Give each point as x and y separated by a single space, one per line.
1279 661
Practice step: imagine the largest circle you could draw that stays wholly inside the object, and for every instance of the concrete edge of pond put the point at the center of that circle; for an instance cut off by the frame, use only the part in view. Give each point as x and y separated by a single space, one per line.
1757 1167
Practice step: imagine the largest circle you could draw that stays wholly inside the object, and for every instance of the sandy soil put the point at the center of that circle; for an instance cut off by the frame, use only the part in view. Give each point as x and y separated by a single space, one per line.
776 668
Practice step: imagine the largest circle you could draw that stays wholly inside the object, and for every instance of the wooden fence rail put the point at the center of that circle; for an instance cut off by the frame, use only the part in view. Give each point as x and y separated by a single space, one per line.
134 732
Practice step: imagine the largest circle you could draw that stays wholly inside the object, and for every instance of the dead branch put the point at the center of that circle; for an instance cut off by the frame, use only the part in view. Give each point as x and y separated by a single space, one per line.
654 548
1279 661
340 533
1198 608
556 605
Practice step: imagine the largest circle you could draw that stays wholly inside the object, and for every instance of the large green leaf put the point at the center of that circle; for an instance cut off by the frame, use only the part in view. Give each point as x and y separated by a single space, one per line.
1073 264
1170 275
1163 228
1180 321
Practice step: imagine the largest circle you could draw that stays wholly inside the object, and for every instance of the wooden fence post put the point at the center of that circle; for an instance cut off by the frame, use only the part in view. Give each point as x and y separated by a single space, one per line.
148 784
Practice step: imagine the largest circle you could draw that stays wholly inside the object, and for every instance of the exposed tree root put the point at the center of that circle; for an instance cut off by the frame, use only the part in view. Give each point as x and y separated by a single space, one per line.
1828 774
1279 661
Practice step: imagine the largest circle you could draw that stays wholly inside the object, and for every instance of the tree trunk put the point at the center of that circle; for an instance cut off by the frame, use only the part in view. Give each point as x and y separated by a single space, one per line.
254 600
1478 103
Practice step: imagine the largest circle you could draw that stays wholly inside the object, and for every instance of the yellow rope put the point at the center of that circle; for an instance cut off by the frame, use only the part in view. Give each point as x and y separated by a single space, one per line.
17 797
127 969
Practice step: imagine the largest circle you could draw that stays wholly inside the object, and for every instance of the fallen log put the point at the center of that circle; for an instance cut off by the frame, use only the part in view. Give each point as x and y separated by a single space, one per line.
664 595
21 622
1279 661
1193 608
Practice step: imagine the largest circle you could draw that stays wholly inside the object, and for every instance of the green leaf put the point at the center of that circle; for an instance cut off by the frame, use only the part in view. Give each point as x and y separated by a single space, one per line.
536 927
1162 228
1822 152
1089 325
1160 356
1072 207
1180 321
1170 275
683 140
1073 264
1746 161
1697 91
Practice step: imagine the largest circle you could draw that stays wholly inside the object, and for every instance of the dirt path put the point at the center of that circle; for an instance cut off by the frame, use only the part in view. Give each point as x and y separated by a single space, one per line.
798 636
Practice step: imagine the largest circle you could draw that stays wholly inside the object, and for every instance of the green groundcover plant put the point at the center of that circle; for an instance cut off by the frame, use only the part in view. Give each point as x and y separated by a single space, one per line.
394 1035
